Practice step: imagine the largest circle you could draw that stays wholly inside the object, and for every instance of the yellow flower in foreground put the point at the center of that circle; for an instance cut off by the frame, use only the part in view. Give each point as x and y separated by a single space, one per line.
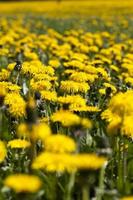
68 162
3 151
89 161
54 162
127 198
40 131
18 143
60 143
119 114
86 123
23 183
127 126
121 104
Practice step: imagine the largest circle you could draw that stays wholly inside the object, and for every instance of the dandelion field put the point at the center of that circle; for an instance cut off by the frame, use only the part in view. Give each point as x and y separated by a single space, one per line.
66 100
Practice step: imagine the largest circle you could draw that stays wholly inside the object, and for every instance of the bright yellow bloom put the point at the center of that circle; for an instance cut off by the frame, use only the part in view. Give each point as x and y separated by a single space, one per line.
40 131
68 162
11 66
54 63
119 114
127 198
86 123
83 77
18 144
3 151
72 107
54 162
40 85
49 96
23 183
2 92
59 144
72 86
77 100
4 75
121 104
88 161
10 87
23 130
127 126
66 117
16 104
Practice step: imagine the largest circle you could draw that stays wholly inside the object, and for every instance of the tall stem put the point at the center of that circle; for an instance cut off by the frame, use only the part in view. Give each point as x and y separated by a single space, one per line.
70 186
101 184
120 165
85 192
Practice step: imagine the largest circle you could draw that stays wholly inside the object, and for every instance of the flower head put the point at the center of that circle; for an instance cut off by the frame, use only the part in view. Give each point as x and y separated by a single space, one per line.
23 183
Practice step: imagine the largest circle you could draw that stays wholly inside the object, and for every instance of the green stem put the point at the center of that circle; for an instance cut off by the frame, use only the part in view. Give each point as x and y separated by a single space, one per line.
85 192
101 183
124 163
120 166
70 186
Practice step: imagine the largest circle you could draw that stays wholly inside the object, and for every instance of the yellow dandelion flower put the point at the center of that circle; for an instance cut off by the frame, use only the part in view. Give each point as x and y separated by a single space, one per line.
68 162
75 64
77 100
114 125
2 92
31 55
114 68
18 144
13 87
66 117
23 130
88 161
54 63
85 108
23 183
3 151
86 123
40 85
103 72
79 56
49 95
121 103
11 66
10 87
127 126
83 77
4 75
16 104
119 114
40 131
59 144
129 80
54 162
127 198
108 85
72 86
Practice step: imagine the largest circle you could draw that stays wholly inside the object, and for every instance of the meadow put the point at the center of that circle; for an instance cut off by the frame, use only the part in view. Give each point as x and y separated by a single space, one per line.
66 100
